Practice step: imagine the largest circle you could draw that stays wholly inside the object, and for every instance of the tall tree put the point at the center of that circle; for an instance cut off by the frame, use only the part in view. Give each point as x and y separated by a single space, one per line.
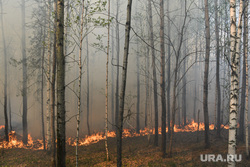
245 53
61 152
24 65
123 84
117 60
106 91
162 82
48 79
205 84
168 70
6 130
53 91
79 81
234 88
154 71
218 98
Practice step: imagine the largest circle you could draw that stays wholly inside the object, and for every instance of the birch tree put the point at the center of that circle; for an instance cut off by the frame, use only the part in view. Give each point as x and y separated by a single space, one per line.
79 82
234 79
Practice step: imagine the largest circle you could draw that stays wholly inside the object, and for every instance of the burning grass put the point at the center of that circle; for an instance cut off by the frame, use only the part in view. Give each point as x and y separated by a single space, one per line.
16 142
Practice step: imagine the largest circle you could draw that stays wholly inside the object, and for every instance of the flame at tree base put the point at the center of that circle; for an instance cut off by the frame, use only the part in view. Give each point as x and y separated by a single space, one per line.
16 142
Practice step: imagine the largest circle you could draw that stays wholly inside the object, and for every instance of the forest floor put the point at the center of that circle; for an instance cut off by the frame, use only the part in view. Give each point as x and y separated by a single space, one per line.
137 151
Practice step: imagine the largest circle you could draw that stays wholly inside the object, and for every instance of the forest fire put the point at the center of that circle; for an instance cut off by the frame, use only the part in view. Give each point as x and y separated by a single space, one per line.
16 142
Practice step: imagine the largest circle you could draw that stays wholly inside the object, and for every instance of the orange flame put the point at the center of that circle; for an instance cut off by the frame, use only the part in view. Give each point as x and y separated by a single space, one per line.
2 127
16 142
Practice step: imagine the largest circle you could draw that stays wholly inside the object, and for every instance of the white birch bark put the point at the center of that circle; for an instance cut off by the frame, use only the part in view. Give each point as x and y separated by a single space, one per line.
79 84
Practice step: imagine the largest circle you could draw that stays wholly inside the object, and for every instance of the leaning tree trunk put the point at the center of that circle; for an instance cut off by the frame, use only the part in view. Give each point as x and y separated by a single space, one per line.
245 53
218 98
123 85
234 88
205 85
24 64
6 131
61 152
162 83
154 71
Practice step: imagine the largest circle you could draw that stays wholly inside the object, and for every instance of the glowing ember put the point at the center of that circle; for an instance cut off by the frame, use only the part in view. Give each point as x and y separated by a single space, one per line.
16 142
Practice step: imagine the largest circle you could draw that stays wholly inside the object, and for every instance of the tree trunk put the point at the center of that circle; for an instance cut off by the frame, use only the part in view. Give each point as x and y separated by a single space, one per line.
245 53
87 45
162 83
234 88
48 81
138 92
10 114
217 69
61 152
53 93
117 67
169 71
205 85
24 64
106 92
6 130
154 71
123 86
243 95
42 70
79 82
184 88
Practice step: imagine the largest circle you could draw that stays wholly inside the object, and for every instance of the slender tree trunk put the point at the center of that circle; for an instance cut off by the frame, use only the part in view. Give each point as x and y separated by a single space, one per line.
243 89
154 71
6 130
88 124
234 89
53 93
79 82
169 71
10 114
113 83
106 92
42 87
162 83
184 88
24 64
61 152
117 67
138 92
205 84
123 86
196 74
217 69
245 53
48 80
